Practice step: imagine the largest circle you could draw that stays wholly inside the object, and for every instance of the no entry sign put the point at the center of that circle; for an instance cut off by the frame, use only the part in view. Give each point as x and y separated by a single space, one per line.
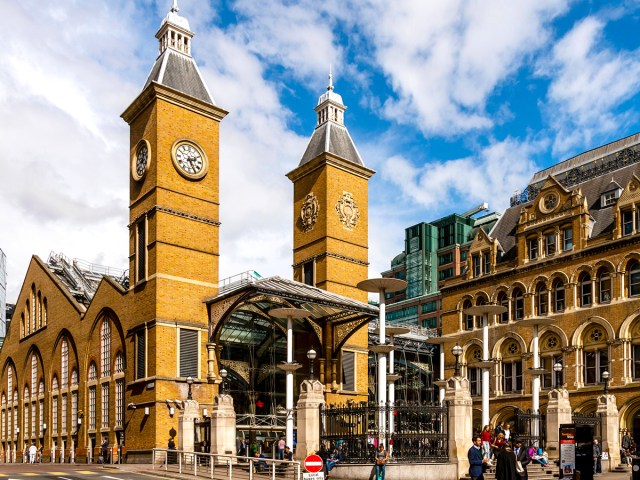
313 464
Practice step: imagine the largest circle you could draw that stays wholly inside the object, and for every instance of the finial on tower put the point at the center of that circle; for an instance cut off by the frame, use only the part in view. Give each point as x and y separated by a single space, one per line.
330 86
175 6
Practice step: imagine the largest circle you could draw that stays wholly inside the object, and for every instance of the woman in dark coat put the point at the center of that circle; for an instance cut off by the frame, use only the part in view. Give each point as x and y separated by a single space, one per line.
506 463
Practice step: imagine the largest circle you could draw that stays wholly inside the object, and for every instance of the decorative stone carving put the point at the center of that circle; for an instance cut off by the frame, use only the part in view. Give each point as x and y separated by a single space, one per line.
348 211
309 212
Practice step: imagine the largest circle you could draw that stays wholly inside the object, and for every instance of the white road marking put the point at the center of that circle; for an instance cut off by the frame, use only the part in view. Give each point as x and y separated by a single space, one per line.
114 478
65 478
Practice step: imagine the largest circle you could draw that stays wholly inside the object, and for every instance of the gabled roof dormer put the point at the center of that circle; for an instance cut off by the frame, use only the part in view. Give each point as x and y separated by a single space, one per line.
610 194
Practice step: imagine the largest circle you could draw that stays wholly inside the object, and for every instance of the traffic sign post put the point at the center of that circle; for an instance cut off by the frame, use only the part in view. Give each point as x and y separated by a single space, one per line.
313 464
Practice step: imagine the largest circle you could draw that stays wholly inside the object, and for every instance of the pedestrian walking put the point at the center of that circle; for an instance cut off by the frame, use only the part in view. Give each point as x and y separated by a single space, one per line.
382 457
477 460
506 463
522 460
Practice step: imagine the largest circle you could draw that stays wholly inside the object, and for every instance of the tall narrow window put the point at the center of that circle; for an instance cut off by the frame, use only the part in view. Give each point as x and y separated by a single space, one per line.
119 402
475 381
486 262
93 372
503 301
308 274
558 296
468 319
40 310
105 405
92 408
141 354
636 362
348 371
518 304
26 411
585 290
54 415
604 286
34 372
105 359
64 370
634 279
141 251
41 417
3 412
533 248
542 299
475 259
627 223
33 416
595 363
63 419
548 380
74 410
567 239
188 353
550 244
512 376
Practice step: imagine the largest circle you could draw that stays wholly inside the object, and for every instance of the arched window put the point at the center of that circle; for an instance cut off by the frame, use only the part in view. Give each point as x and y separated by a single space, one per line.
23 330
503 301
604 286
105 358
474 374
517 305
34 316
40 310
74 377
27 320
93 372
595 355
64 370
584 284
511 367
44 313
3 412
26 411
480 301
542 299
634 279
468 319
558 295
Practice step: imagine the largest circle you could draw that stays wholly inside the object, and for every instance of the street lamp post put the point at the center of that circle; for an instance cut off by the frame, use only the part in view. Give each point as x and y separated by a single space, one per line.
557 368
289 366
189 382
311 355
457 351
382 286
605 377
223 375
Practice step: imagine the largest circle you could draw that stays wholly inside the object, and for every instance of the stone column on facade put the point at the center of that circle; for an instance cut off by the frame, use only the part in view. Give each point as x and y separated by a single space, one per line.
186 426
460 425
223 426
558 412
309 402
610 429
211 362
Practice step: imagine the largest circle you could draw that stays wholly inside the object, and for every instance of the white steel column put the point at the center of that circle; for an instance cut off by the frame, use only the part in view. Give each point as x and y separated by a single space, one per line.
535 383
485 370
381 286
289 399
290 365
442 389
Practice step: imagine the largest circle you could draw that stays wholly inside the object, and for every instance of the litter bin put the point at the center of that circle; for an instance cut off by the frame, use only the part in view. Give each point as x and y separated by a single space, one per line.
635 468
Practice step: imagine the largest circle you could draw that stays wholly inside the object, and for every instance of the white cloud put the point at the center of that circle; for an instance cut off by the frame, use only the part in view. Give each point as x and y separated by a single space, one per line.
589 85
450 185
445 59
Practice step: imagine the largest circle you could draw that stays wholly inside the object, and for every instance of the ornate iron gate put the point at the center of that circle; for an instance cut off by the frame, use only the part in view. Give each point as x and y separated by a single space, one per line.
530 427
419 433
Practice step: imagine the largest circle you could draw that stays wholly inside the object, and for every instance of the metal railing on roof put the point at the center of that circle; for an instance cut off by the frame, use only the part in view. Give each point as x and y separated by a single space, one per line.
238 280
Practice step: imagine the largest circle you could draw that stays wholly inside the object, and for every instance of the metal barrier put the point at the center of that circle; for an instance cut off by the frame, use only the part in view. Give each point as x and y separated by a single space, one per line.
530 427
210 465
419 435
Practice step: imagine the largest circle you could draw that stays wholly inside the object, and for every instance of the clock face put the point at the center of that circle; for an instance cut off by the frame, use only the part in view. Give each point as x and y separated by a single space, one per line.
140 161
189 159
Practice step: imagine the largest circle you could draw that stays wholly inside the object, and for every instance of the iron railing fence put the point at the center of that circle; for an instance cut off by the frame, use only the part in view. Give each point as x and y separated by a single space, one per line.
417 432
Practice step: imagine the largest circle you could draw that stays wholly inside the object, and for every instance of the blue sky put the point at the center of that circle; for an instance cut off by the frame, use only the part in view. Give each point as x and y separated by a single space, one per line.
452 103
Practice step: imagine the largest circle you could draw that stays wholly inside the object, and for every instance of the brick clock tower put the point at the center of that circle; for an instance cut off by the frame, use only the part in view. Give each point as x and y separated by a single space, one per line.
331 230
174 227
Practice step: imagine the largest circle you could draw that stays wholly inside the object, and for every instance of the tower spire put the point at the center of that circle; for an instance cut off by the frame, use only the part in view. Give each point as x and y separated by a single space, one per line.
175 6
330 86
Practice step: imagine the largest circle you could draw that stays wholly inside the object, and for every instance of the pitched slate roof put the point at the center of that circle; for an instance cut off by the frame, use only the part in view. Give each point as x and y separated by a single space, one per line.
179 72
331 137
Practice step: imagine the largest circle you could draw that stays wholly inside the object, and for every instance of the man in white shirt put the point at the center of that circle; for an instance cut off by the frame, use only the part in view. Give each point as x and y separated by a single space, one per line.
32 453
